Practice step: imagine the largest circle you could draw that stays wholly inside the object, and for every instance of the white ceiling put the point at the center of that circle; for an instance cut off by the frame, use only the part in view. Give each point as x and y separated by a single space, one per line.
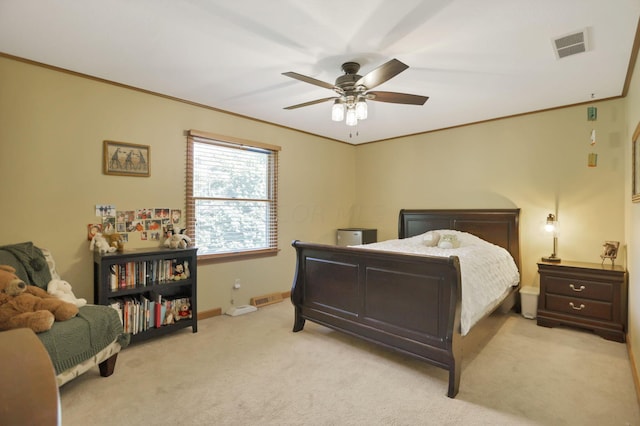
476 60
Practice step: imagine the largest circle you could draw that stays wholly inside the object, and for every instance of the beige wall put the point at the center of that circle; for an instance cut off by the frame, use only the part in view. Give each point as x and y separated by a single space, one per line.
52 125
535 162
632 219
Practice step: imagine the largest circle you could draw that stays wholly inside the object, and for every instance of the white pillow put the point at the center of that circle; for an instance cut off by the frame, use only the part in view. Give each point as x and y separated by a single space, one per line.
449 241
51 263
431 238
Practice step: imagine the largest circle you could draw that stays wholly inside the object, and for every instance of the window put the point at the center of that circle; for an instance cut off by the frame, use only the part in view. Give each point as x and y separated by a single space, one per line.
232 196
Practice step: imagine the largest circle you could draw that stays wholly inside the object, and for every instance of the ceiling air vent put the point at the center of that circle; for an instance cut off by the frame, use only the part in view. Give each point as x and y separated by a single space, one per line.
571 44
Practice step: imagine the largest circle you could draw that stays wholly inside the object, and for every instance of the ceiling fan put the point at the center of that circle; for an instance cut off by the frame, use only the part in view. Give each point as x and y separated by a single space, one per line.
354 90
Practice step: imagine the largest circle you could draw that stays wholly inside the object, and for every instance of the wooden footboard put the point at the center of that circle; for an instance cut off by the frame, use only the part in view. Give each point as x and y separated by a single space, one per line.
409 303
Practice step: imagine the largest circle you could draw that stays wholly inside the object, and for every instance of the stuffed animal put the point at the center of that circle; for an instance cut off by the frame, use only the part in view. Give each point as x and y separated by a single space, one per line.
169 317
99 243
115 240
182 310
62 290
177 241
181 271
431 238
23 305
448 241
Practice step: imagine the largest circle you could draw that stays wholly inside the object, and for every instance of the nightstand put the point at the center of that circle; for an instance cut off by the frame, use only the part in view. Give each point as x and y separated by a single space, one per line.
586 295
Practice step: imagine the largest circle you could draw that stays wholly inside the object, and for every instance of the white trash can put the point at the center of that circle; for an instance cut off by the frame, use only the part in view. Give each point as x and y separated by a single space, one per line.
529 301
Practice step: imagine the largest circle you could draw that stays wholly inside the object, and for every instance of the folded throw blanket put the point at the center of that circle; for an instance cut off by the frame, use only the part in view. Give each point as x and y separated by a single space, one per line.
83 336
77 339
33 261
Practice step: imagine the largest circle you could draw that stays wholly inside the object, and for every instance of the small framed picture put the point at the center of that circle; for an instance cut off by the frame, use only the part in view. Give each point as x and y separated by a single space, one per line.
126 159
610 250
635 165
93 229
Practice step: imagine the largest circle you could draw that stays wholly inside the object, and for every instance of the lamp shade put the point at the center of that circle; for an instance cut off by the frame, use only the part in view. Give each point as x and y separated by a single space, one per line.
352 118
550 225
361 109
337 111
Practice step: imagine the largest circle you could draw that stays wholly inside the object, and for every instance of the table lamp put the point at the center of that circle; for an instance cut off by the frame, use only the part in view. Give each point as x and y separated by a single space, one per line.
551 226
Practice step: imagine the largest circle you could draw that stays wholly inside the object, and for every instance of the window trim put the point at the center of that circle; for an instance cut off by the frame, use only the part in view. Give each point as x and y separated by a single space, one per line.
191 200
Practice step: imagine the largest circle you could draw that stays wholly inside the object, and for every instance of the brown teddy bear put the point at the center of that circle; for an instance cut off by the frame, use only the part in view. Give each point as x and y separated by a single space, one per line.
115 240
23 305
182 310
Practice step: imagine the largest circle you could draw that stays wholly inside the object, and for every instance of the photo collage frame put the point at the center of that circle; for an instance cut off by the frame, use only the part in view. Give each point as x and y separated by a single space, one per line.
147 224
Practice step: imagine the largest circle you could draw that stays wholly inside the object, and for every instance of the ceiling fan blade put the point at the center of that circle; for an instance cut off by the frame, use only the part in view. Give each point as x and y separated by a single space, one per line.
309 80
397 98
317 101
381 74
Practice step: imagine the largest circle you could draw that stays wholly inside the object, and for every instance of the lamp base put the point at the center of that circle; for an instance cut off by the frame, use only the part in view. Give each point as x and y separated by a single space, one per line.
551 258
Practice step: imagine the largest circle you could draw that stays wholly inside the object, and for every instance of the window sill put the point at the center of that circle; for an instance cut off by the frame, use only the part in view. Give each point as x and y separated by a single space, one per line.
241 255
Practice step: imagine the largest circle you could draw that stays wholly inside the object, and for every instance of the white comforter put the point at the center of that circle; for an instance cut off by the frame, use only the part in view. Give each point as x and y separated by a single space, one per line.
487 271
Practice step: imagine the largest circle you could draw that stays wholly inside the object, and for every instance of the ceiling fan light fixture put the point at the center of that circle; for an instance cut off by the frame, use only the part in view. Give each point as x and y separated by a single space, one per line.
353 91
352 118
361 109
337 111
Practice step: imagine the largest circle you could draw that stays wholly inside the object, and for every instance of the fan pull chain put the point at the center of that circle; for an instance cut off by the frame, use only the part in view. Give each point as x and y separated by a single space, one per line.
357 133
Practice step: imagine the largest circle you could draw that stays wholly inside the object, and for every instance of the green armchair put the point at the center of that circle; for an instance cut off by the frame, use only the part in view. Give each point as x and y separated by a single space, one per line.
93 338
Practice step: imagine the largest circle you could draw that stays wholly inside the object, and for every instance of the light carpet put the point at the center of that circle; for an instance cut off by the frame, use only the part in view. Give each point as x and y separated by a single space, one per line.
253 370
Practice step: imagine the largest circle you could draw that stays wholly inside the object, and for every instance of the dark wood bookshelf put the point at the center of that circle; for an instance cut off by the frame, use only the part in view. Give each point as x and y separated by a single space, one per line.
148 273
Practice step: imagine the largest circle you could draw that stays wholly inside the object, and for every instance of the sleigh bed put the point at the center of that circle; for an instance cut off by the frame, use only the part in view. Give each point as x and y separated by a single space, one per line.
407 302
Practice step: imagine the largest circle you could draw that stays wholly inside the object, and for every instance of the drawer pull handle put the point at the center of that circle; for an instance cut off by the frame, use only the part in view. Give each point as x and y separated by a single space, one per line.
577 289
579 308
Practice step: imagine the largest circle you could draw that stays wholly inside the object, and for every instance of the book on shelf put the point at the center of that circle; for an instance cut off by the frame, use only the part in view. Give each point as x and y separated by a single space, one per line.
139 314
113 277
117 305
151 313
144 273
158 312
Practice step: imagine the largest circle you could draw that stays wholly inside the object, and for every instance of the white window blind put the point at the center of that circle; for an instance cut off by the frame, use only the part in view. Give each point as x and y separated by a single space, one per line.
232 195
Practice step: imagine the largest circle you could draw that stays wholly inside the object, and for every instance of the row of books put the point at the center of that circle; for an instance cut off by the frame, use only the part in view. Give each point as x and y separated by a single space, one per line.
139 314
144 273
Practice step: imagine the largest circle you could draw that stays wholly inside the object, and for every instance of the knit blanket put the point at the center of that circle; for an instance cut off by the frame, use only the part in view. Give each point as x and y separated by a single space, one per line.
80 338
33 262
77 339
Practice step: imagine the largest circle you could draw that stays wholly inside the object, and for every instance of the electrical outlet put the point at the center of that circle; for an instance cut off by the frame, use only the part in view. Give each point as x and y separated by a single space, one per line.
236 285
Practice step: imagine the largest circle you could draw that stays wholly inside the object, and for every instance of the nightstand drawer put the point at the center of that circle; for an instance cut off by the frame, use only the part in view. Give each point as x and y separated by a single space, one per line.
585 295
579 288
580 307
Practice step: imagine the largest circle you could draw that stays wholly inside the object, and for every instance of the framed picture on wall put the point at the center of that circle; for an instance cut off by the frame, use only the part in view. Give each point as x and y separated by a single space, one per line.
126 159
635 170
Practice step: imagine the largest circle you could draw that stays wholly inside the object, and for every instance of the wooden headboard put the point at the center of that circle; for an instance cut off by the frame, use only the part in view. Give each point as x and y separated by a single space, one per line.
499 226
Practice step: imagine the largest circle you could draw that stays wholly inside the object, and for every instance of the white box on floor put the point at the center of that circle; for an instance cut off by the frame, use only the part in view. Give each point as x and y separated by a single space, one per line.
234 311
529 301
